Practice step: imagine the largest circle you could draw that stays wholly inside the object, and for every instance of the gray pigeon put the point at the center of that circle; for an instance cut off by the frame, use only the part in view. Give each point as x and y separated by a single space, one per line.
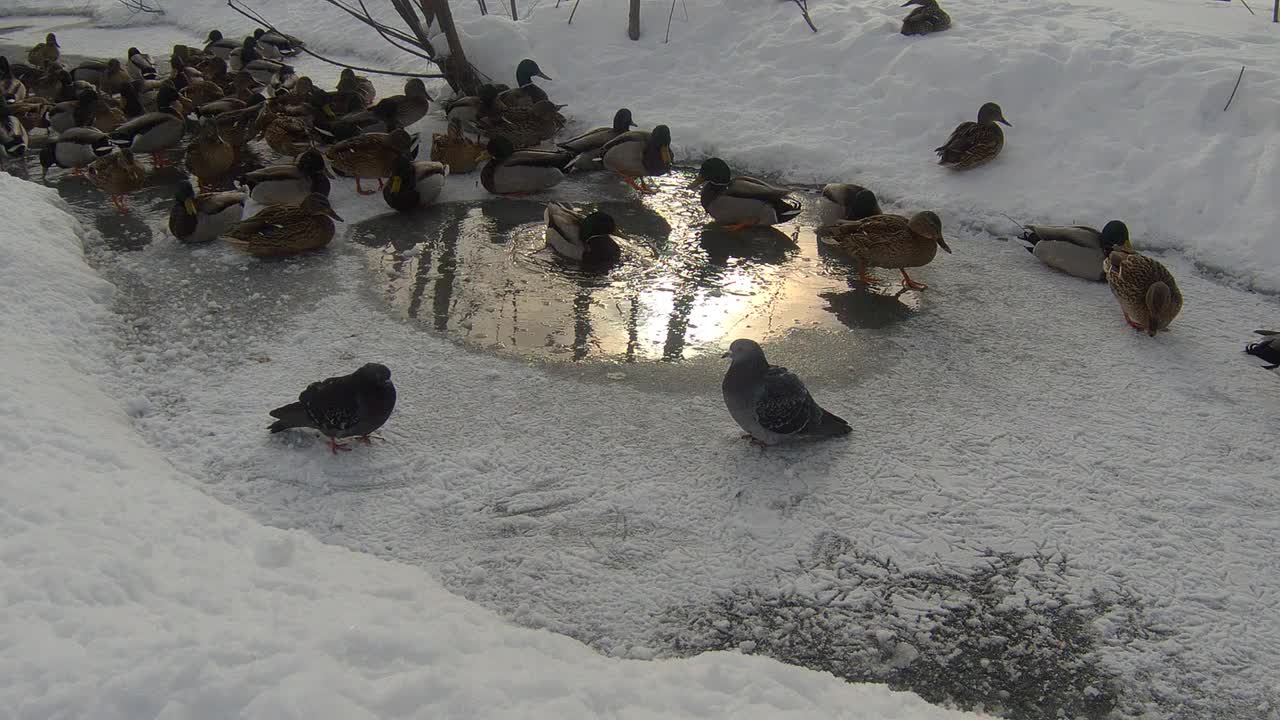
771 403
340 407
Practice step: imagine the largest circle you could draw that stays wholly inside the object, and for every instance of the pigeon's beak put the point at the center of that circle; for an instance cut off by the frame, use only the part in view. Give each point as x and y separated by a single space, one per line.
697 182
726 355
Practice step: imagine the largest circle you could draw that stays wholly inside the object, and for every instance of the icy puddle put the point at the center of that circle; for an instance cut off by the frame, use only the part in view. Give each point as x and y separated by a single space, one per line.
481 272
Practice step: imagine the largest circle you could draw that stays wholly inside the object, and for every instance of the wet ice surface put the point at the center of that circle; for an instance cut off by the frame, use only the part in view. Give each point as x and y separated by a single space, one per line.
482 272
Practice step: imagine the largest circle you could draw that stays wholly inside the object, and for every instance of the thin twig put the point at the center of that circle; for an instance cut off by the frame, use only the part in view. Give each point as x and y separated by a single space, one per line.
263 22
1234 89
1246 7
684 5
574 10
386 36
669 16
1015 222
804 10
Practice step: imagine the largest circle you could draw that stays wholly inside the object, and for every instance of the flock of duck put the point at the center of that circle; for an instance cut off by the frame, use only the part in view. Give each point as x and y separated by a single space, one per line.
99 116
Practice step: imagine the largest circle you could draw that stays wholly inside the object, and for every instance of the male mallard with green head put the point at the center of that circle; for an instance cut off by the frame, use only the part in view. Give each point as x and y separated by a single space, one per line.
1076 249
414 183
888 241
585 238
743 201
974 143
846 201
1148 294
517 172
200 218
639 154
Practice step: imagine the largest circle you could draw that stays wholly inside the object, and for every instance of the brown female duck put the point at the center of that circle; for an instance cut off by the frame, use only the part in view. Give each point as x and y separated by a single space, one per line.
974 143
282 230
888 241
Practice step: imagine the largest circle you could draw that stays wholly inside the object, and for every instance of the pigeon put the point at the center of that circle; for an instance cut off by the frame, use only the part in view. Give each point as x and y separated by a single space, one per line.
771 403
1267 349
345 406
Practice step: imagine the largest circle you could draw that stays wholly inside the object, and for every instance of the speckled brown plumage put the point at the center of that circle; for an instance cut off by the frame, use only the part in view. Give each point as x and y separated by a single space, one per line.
1146 290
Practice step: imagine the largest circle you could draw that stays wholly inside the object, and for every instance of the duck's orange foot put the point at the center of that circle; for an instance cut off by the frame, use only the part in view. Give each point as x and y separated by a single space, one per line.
908 282
120 203
740 226
157 160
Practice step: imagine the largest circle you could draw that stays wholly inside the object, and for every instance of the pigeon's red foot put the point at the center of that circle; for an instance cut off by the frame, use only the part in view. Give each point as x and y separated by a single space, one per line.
335 447
754 441
368 439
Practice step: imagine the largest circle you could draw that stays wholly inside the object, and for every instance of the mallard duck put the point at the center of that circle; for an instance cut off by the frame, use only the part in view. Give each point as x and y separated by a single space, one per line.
525 92
587 239
286 45
272 73
13 135
414 183
407 109
117 174
238 127
928 18
204 217
11 88
81 112
30 112
743 201
140 66
1148 294
371 156
74 149
888 241
55 85
115 78
209 157
90 71
974 143
589 146
287 135
1076 249
107 115
373 120
219 46
281 230
1267 349
516 172
153 132
846 201
525 125
200 92
349 82
465 113
289 184
45 53
639 154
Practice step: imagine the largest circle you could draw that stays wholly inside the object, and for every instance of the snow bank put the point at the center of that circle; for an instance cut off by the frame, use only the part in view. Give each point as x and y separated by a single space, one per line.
129 594
1118 111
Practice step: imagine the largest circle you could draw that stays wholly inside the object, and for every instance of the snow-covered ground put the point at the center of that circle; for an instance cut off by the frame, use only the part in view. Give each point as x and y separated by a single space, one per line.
1129 482
130 594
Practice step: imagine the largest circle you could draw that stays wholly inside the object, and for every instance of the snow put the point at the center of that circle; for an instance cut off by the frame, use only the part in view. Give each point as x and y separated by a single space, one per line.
131 594
1012 414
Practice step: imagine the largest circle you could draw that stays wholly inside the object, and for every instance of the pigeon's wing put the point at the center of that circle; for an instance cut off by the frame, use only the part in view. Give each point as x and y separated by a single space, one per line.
784 405
333 404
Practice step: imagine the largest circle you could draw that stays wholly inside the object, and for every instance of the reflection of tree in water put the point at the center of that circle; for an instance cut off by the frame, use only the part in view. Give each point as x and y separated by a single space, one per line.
700 272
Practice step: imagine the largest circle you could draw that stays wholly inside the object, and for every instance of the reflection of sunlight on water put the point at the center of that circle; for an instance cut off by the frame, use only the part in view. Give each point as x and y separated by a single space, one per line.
482 272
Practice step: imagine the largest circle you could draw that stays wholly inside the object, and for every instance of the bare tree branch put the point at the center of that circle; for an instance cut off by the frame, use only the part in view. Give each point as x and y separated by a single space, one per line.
804 10
142 6
368 21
